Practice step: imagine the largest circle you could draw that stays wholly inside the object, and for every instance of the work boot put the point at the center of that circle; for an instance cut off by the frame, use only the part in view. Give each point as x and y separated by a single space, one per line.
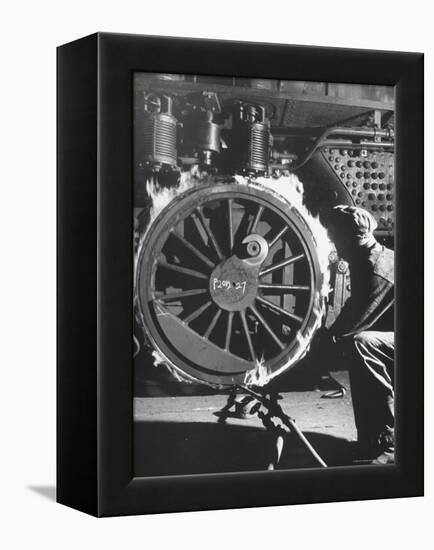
386 448
374 450
386 457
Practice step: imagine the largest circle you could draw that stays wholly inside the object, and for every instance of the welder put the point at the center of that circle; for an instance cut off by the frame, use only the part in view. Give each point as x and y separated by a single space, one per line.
365 330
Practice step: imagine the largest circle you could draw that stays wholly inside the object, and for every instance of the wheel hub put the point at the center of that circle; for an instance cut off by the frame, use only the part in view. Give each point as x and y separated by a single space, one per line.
233 284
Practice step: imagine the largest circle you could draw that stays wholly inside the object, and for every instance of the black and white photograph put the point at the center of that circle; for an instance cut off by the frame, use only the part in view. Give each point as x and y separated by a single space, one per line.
216 275
264 233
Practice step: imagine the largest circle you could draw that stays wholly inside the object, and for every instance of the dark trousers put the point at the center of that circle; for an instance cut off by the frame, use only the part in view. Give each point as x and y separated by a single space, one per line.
372 386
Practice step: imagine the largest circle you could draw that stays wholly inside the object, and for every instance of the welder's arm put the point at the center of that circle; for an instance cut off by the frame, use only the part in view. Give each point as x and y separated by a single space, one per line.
362 310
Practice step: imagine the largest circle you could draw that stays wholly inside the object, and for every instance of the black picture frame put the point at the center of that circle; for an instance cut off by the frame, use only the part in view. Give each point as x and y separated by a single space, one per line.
95 274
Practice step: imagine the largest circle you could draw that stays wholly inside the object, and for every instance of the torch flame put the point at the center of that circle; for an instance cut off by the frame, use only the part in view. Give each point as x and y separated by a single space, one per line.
258 376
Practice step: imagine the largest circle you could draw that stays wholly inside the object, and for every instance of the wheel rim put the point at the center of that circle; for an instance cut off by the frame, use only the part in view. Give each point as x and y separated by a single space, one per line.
228 277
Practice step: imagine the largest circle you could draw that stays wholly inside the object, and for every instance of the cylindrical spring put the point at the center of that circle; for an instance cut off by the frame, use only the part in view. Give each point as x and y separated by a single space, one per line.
257 150
251 138
159 137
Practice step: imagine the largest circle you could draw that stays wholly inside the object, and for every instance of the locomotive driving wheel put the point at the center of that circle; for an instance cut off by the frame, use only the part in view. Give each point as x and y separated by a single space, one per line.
228 277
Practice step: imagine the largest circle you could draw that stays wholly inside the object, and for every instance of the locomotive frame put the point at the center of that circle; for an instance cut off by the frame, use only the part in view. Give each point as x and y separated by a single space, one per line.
95 274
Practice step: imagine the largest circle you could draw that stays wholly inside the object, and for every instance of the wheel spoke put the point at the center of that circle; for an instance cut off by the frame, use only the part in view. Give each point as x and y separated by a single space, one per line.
213 323
230 228
277 237
193 249
181 269
247 333
208 231
280 310
182 294
281 265
257 218
229 330
287 288
195 314
267 327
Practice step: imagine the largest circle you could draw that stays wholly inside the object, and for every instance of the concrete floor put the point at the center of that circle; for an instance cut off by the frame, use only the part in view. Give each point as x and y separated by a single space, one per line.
181 435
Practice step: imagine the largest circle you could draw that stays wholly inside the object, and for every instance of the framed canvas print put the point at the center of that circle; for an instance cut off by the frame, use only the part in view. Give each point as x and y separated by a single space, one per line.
240 259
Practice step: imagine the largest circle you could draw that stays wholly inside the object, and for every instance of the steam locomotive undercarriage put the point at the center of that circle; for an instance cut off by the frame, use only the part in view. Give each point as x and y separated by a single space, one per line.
234 270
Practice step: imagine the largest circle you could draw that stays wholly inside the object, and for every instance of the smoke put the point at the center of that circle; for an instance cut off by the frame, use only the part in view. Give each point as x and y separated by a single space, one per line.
163 196
290 191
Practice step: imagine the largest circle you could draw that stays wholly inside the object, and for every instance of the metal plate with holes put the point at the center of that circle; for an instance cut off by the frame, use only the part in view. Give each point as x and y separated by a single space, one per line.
368 176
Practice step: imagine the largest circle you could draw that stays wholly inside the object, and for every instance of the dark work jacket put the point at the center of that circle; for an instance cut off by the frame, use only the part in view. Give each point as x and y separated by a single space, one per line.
370 306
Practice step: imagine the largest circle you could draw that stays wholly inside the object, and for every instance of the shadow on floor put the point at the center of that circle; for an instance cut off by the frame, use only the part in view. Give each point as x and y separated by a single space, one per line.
47 491
171 448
